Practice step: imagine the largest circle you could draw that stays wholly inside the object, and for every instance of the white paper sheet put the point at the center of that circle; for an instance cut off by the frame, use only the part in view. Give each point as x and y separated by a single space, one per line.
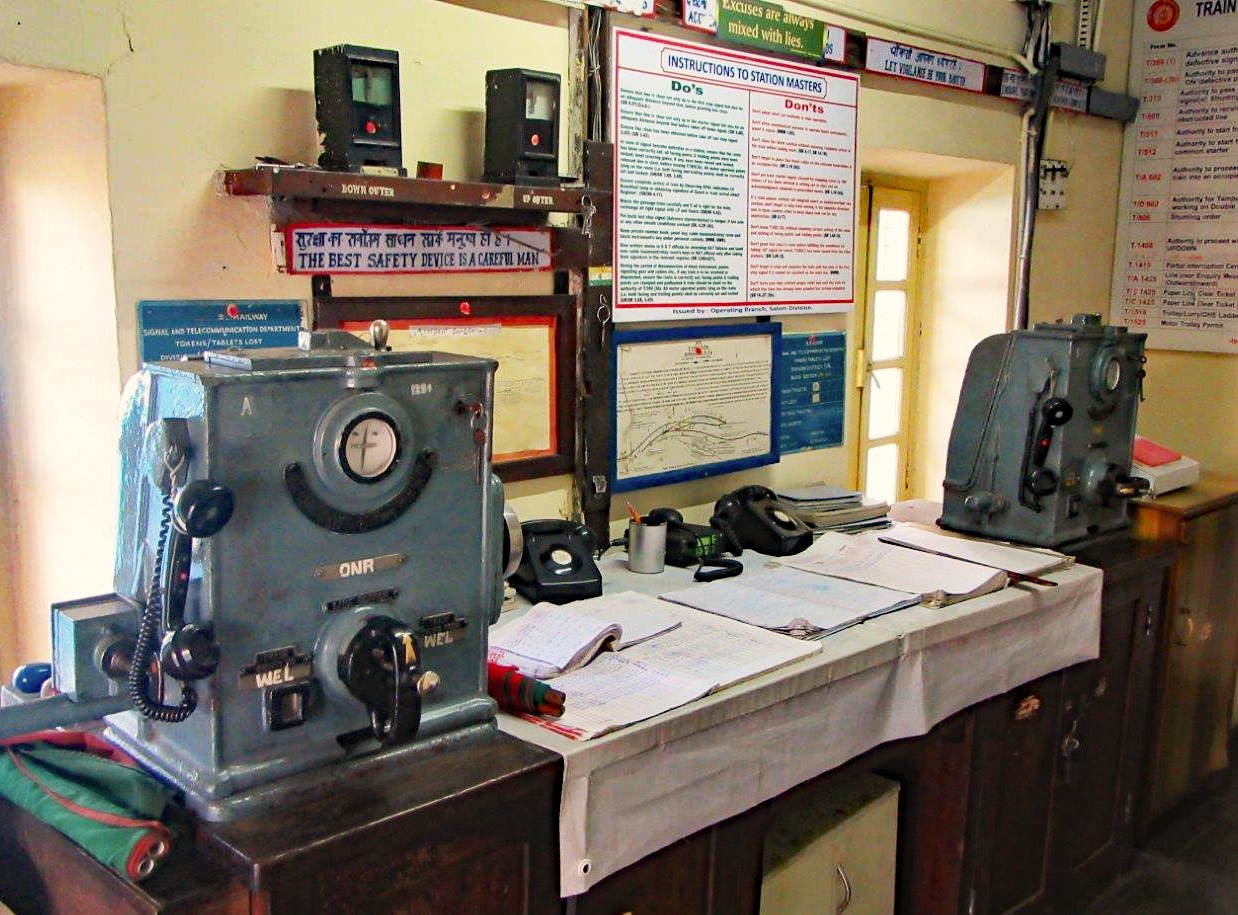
617 690
639 616
547 640
778 598
719 650
1022 560
863 558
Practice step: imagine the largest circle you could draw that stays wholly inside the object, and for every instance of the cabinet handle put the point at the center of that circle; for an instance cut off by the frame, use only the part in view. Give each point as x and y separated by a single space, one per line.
842 875
1028 707
1183 619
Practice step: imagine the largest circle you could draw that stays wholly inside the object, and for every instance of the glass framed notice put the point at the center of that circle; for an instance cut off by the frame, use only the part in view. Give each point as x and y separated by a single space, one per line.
735 182
694 402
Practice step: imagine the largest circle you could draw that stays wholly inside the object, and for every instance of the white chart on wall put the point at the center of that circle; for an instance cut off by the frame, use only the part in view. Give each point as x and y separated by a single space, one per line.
1176 260
735 182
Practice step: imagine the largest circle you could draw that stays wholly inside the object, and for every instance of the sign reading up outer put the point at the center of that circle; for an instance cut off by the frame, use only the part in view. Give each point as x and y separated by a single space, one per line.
338 248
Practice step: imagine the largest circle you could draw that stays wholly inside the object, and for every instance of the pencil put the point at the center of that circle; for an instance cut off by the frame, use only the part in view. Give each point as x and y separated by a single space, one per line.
1030 579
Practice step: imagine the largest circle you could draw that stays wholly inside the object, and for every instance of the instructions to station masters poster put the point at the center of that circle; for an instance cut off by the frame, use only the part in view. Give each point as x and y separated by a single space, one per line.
1176 264
735 182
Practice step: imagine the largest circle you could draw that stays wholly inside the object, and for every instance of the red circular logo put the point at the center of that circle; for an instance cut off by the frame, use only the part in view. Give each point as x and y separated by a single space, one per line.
1163 15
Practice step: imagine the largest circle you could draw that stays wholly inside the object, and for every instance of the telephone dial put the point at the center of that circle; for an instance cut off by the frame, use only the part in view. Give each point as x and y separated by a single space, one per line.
753 517
556 563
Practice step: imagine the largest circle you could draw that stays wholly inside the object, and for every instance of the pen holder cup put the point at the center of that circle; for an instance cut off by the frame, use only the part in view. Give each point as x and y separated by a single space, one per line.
646 547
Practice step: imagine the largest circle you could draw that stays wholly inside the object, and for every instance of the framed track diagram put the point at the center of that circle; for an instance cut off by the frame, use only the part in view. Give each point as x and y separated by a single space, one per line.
694 402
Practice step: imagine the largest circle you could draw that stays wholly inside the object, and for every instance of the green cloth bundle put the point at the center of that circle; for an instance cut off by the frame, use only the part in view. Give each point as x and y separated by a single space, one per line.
92 793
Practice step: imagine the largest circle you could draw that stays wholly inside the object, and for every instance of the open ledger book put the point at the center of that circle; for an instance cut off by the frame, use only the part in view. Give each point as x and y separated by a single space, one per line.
1020 560
793 601
695 654
552 639
938 580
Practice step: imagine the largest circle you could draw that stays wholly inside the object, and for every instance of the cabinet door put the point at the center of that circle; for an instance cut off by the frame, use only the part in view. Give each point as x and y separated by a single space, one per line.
848 869
1090 803
716 871
1199 652
1208 579
1008 832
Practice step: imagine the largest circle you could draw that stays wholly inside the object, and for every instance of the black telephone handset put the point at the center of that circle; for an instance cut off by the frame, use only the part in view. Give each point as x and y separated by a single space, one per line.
556 563
187 651
753 517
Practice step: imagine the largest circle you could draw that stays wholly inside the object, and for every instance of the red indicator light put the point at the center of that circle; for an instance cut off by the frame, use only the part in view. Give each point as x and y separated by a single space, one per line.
1044 443
535 140
232 310
371 127
367 363
466 308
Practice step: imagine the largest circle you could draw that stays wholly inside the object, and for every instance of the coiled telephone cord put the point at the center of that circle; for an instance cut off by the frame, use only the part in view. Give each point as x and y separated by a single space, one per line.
144 647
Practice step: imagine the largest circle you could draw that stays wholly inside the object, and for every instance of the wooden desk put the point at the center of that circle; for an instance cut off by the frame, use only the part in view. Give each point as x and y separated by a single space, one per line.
1198 660
993 817
469 829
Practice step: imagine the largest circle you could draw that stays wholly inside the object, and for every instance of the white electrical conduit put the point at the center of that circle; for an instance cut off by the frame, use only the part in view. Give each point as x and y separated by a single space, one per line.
918 31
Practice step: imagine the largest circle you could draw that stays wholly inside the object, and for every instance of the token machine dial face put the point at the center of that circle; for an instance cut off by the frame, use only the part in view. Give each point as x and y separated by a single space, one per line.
369 447
1113 373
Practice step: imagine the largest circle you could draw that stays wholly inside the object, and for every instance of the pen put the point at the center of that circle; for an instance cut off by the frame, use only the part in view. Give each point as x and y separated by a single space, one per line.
634 513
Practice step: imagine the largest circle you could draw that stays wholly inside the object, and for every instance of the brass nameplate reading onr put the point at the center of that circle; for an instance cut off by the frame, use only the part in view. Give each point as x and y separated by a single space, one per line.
354 567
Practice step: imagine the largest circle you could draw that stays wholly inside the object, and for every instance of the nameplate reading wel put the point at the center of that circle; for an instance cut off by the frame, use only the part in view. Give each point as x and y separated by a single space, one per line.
275 667
351 568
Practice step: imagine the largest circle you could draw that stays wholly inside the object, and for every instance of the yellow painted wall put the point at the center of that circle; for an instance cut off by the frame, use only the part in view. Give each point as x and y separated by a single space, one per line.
968 233
57 347
192 86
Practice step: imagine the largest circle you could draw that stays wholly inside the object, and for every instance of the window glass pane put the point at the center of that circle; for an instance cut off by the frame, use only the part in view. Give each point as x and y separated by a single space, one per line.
885 392
893 227
881 473
889 322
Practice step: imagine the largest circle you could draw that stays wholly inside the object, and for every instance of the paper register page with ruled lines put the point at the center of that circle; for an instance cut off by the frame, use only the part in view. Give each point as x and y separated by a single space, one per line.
703 654
862 557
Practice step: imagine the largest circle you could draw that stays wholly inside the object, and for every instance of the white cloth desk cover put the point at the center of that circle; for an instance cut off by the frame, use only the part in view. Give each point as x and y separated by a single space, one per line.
631 792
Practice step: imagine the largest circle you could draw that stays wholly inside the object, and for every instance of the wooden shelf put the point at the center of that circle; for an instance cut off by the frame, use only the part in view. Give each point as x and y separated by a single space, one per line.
315 184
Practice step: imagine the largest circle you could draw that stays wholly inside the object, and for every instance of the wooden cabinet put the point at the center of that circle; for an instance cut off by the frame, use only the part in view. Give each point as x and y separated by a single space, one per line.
471 828
716 871
835 854
1058 762
1199 649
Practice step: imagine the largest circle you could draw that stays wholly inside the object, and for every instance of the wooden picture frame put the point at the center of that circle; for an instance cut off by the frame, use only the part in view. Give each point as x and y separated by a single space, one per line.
487 314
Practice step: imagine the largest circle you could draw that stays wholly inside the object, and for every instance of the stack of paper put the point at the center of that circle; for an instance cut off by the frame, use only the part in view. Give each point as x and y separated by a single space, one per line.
819 497
824 507
939 580
793 601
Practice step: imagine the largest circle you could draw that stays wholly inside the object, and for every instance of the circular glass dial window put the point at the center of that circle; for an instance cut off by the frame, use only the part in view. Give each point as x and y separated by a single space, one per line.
369 448
1113 373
